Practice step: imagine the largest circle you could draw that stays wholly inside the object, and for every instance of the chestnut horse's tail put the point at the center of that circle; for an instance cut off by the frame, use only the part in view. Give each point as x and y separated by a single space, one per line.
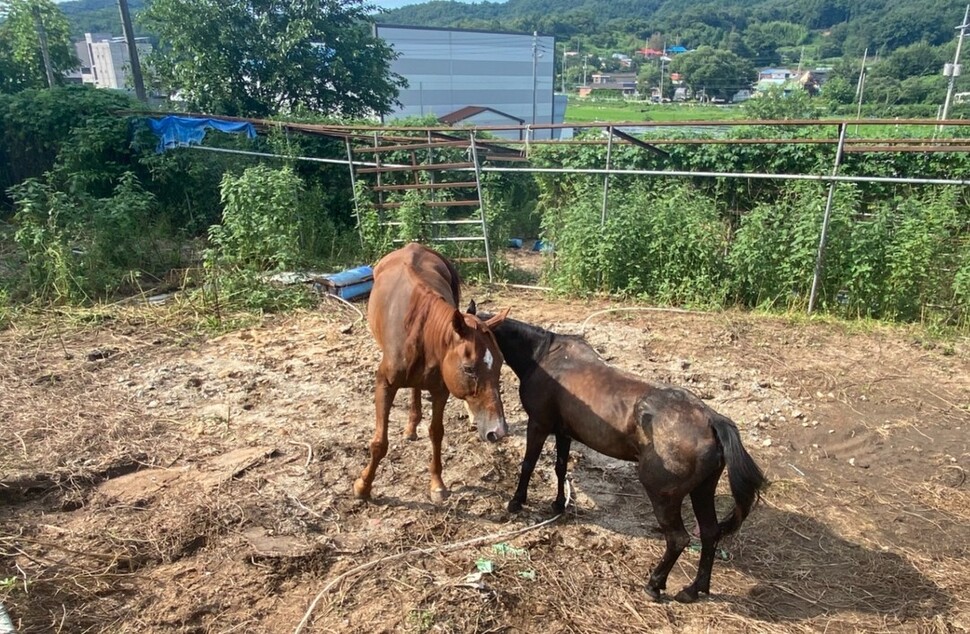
745 476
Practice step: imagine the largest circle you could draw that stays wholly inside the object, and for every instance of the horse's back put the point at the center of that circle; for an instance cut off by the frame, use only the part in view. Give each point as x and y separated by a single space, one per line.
397 277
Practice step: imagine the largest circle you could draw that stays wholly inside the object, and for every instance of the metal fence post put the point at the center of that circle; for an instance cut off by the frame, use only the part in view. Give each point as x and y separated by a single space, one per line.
820 257
606 176
481 205
353 187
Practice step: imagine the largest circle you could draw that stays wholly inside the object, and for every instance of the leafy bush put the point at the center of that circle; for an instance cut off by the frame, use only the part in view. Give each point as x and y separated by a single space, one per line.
664 244
259 229
77 247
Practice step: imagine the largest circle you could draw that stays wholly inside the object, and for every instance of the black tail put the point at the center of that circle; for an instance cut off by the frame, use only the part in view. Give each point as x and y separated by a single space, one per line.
745 476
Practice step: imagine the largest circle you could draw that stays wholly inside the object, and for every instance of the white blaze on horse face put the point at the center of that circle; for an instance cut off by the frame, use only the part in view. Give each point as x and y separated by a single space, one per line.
488 359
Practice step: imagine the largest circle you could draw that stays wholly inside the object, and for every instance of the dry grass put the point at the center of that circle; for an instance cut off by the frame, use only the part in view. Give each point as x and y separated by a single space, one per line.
168 548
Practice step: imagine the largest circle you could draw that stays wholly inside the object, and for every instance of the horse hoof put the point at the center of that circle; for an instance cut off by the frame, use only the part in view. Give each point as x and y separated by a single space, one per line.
439 495
687 595
361 490
411 436
559 506
653 593
514 506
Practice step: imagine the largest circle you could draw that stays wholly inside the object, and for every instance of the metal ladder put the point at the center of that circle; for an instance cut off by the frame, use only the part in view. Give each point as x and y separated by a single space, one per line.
439 177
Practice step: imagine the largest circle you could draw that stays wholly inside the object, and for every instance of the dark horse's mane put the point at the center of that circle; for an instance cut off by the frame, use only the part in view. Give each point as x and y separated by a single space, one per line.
531 343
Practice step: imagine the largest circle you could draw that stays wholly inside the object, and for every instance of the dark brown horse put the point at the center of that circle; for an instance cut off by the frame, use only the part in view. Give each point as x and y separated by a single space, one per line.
680 444
427 343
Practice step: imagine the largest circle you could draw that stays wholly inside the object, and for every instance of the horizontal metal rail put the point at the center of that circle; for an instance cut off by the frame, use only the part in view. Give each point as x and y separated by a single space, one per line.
434 203
395 223
825 178
452 239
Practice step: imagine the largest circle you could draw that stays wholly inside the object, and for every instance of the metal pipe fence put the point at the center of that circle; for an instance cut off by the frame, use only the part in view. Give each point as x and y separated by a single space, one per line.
843 146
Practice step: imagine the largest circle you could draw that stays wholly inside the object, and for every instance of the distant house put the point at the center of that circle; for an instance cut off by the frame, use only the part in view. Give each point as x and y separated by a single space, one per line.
674 50
484 116
624 60
742 95
775 74
651 53
771 77
625 83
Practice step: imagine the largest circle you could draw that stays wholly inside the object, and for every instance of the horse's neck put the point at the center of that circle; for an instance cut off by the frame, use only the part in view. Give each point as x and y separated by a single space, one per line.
522 346
438 329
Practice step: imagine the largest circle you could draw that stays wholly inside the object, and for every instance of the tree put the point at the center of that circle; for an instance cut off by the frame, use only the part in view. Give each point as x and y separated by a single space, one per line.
648 77
715 72
838 91
21 60
260 57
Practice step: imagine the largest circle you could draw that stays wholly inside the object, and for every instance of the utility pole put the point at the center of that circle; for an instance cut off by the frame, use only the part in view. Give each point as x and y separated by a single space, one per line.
861 85
564 70
535 60
953 70
44 50
136 77
663 56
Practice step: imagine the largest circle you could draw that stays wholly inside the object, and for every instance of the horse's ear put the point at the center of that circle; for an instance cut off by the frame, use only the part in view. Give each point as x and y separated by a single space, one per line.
472 308
495 320
458 321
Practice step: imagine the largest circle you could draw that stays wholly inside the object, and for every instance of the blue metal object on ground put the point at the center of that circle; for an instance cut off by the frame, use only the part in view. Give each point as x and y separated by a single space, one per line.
351 283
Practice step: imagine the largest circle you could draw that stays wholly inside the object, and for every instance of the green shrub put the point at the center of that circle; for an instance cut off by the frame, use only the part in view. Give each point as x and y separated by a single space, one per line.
259 230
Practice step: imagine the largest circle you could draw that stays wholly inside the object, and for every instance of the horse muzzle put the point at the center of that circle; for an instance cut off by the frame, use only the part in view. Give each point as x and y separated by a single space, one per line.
491 426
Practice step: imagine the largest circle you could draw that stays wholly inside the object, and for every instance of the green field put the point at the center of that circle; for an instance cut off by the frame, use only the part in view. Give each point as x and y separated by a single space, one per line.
590 110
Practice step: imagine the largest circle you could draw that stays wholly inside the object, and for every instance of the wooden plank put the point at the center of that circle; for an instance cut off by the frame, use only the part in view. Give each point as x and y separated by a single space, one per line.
399 188
426 167
413 146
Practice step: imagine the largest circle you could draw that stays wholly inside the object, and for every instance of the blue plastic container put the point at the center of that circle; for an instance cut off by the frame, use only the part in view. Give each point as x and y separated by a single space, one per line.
515 243
351 283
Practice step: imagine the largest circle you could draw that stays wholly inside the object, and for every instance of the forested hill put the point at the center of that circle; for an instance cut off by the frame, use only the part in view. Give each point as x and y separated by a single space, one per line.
98 16
842 27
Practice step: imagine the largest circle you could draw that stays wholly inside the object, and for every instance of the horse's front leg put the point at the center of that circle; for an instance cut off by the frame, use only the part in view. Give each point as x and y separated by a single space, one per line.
534 439
436 431
414 415
384 393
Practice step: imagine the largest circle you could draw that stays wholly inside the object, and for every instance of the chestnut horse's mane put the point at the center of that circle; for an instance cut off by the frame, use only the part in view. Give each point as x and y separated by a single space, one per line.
428 313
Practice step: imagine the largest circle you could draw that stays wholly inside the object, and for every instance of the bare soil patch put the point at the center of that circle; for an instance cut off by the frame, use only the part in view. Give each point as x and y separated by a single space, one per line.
152 480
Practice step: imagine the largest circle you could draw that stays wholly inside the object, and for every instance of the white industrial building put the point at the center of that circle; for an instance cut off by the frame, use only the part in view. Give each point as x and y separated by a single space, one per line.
105 61
465 77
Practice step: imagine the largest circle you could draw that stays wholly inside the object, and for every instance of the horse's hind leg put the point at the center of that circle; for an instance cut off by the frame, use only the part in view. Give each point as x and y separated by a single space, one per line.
563 441
702 499
383 399
414 415
667 510
436 431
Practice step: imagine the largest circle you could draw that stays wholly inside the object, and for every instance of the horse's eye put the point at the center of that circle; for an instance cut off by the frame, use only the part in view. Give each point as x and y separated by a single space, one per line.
468 369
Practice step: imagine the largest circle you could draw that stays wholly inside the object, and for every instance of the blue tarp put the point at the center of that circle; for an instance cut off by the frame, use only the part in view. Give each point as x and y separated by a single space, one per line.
182 131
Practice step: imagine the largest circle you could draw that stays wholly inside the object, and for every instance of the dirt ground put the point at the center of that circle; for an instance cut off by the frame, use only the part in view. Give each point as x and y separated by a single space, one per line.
156 480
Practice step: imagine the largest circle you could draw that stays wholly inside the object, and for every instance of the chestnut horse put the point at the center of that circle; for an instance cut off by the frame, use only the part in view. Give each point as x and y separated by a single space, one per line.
680 444
427 343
